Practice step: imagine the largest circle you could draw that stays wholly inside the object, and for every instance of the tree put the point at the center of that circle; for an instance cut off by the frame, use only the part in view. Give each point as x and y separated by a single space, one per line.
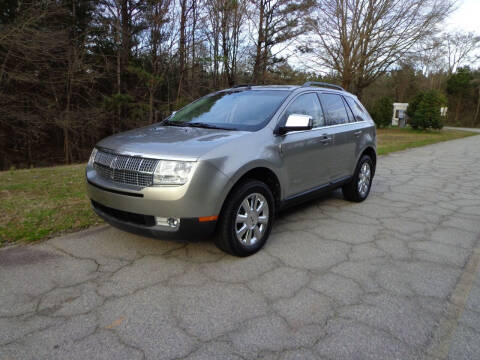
46 87
75 71
459 48
185 8
361 39
405 82
225 20
413 106
425 110
277 22
158 20
458 87
233 13
382 112
476 118
123 19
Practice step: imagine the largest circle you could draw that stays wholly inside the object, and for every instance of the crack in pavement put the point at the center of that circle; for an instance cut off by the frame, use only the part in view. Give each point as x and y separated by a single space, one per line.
393 277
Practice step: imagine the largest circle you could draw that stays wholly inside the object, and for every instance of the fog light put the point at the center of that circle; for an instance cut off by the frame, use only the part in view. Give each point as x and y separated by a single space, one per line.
172 223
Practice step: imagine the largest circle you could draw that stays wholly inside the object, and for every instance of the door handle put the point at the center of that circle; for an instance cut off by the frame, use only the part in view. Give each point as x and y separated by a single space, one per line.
358 133
325 139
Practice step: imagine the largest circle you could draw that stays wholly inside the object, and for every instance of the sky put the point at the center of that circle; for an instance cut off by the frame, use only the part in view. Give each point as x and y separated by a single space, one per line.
466 17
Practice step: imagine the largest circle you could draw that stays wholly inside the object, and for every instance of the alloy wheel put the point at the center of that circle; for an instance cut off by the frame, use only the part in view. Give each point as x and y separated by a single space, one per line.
364 179
252 219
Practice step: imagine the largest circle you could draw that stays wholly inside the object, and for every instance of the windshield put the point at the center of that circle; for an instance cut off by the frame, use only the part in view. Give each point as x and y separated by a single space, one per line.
234 110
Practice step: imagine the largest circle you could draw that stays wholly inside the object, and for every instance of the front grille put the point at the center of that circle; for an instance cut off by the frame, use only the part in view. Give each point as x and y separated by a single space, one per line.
125 169
125 216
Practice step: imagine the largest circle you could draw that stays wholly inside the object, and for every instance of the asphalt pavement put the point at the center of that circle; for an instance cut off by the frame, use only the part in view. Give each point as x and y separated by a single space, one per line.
395 277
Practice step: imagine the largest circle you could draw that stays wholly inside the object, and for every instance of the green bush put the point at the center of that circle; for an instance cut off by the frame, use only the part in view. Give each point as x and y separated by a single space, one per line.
382 112
413 105
424 110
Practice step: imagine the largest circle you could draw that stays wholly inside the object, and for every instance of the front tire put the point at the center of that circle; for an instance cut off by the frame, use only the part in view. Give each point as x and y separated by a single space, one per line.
358 189
246 219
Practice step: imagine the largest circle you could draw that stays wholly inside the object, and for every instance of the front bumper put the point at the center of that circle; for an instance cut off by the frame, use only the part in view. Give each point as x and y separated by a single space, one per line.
202 196
189 228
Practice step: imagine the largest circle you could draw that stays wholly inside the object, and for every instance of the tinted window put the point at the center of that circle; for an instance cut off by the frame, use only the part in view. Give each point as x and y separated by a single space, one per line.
243 109
358 111
307 104
351 118
335 111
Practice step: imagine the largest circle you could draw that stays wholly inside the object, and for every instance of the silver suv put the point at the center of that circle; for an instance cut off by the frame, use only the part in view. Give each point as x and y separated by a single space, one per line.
228 162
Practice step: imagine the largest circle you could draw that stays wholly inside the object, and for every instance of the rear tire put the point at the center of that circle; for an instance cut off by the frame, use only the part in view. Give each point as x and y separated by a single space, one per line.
358 188
246 219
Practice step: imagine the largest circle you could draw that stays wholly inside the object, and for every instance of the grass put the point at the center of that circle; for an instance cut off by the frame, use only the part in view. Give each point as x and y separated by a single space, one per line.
40 203
43 202
395 139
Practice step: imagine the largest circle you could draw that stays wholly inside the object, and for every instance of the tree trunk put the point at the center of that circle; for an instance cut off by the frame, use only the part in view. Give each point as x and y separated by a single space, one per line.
125 22
457 110
119 75
70 70
257 68
66 122
225 45
358 88
235 36
264 57
477 111
182 46
151 91
194 28
216 49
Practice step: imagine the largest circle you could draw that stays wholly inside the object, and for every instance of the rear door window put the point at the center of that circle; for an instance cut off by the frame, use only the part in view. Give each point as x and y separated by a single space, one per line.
357 110
334 107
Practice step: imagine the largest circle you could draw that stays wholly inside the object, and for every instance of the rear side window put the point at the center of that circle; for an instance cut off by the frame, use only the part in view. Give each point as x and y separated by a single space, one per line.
351 117
334 107
357 109
307 104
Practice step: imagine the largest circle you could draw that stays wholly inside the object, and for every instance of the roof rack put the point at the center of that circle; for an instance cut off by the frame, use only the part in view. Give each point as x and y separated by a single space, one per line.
242 85
323 84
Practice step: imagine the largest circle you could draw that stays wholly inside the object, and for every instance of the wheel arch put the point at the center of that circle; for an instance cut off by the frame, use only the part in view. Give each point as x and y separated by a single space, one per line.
370 151
259 172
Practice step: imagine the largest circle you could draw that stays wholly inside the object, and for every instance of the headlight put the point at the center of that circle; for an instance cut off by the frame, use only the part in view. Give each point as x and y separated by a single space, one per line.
92 156
170 172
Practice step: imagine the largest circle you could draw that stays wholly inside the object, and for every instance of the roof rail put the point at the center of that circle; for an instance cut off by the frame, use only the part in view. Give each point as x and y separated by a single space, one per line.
324 84
242 85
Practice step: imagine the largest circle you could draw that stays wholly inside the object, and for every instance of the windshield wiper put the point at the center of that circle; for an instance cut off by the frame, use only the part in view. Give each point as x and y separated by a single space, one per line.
207 126
173 123
195 124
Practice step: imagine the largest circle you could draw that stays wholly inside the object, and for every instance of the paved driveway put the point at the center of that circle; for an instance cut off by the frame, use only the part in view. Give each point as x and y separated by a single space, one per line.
393 277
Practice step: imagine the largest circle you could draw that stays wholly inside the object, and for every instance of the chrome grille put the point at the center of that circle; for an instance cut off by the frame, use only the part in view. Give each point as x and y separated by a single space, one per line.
125 169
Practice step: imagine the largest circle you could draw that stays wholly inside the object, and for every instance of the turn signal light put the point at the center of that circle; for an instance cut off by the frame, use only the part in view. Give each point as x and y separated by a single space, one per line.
208 218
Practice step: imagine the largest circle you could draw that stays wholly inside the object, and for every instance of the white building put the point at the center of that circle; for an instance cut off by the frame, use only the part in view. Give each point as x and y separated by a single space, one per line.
399 112
399 117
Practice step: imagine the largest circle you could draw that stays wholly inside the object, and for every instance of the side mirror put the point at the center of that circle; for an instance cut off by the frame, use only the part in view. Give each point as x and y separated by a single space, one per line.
296 122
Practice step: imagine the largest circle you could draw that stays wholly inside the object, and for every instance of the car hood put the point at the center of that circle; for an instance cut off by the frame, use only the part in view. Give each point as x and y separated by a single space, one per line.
168 142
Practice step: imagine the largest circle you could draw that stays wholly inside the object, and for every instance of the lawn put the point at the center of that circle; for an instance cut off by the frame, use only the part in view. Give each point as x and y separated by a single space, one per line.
40 203
43 202
395 139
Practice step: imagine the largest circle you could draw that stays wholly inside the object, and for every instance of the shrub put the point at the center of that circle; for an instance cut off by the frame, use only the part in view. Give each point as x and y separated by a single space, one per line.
424 110
413 105
382 111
